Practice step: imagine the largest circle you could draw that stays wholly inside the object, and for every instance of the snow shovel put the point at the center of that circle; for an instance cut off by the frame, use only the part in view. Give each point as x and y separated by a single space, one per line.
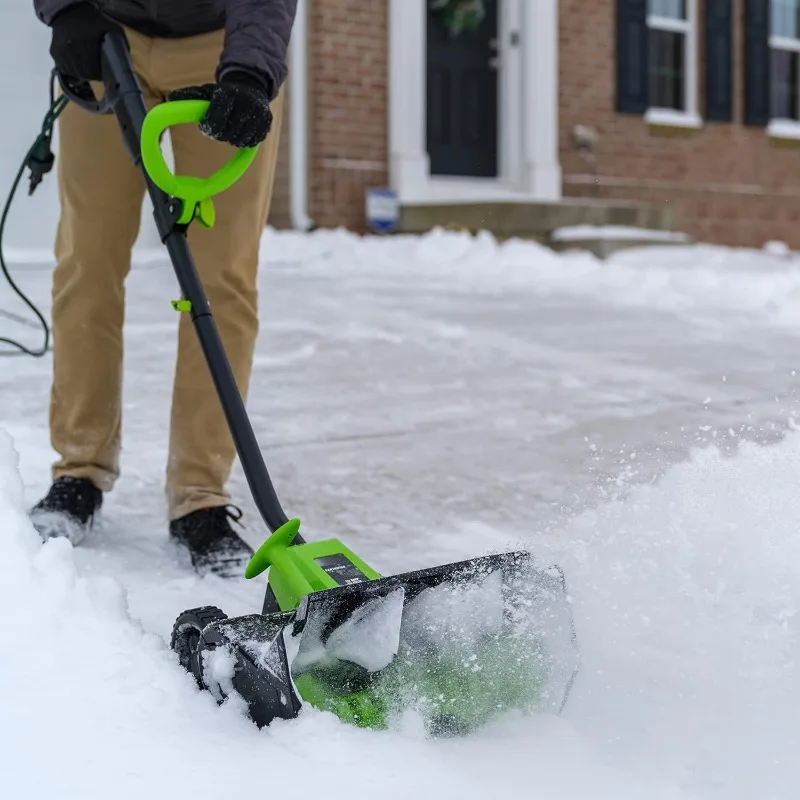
453 645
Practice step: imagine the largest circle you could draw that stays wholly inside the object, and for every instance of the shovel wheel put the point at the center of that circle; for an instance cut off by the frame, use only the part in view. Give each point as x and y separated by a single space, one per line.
186 633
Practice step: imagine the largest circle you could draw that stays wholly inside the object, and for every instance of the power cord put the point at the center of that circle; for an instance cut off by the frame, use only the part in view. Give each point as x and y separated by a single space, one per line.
39 159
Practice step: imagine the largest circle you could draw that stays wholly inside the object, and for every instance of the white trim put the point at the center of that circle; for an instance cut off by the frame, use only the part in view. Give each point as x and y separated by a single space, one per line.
689 116
540 35
669 23
298 120
510 80
409 166
784 43
784 128
671 118
528 162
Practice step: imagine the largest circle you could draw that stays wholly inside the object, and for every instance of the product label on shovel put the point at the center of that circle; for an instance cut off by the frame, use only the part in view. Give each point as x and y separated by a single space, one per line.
343 571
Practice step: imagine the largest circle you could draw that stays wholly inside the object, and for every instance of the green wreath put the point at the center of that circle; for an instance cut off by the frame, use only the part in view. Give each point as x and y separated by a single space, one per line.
460 15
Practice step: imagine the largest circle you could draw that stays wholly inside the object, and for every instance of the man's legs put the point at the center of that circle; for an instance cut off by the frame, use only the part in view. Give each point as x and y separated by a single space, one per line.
101 196
201 447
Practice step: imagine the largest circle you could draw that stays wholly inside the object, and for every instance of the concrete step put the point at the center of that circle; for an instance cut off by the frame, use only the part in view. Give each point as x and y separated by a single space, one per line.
531 220
603 240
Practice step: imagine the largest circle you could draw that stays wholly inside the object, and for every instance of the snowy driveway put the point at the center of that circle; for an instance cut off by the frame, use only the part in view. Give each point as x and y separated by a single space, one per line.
412 386
427 399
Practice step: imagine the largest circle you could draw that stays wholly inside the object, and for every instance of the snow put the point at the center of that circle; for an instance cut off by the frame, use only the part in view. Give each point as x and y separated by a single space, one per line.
371 636
429 399
783 129
576 233
672 118
449 617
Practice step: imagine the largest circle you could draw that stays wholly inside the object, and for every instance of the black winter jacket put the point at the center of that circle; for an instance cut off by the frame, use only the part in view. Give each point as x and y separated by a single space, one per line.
257 32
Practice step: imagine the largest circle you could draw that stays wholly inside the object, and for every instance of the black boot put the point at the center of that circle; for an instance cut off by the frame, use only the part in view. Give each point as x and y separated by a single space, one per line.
213 545
68 509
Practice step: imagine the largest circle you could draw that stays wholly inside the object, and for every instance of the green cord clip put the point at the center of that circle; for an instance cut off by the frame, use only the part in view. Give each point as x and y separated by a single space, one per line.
182 305
194 193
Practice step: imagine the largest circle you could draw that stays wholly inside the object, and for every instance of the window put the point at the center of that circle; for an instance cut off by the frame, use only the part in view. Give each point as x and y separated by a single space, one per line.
656 50
784 44
671 68
772 66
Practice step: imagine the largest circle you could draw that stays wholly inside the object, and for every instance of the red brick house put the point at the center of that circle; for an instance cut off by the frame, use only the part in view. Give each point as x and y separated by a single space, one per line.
657 113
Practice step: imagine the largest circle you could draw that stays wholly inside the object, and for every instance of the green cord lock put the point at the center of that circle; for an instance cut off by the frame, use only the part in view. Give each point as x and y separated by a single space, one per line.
194 193
182 305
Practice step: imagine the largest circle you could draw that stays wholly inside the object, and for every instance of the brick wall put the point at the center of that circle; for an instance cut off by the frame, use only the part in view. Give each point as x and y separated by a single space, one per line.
348 107
728 182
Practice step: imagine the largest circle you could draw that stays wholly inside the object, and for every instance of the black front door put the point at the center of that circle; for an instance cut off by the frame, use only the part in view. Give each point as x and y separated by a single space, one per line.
462 88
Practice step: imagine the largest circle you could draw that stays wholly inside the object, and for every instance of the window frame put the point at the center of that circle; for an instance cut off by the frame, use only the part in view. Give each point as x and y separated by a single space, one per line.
689 117
782 127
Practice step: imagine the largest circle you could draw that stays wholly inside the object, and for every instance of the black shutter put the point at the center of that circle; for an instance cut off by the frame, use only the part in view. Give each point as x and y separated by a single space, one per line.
632 56
756 63
719 60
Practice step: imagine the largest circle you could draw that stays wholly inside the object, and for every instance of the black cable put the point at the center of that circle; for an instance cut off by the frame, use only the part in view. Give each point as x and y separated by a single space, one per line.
39 159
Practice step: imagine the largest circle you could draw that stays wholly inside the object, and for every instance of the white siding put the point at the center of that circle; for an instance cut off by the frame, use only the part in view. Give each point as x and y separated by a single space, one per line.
25 66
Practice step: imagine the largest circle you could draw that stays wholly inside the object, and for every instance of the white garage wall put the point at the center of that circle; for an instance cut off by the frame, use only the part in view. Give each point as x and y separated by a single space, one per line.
25 66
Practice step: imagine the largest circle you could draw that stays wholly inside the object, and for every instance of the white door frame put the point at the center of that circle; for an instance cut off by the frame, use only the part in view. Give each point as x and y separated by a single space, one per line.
528 108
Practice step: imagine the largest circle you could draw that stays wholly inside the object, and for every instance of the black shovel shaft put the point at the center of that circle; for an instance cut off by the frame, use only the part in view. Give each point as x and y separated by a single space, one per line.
123 97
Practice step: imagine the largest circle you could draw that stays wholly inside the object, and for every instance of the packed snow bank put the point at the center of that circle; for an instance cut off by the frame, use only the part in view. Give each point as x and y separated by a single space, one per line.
94 706
686 598
700 279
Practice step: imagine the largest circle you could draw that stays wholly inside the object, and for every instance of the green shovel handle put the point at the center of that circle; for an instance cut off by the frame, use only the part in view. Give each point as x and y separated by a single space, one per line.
196 193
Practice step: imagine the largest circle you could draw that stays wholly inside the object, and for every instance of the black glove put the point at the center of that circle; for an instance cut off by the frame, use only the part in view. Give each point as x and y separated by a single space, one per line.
239 113
78 33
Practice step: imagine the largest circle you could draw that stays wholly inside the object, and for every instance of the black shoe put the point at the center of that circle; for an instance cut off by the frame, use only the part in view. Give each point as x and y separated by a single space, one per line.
68 509
213 545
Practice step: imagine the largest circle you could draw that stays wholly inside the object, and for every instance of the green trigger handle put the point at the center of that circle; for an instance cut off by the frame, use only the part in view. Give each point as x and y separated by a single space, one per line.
195 193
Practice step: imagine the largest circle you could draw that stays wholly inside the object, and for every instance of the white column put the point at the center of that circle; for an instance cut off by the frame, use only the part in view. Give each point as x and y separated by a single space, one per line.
298 119
541 166
511 87
409 165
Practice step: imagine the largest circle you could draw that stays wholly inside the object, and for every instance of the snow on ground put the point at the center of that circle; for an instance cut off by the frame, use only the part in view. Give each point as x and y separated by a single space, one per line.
428 399
578 233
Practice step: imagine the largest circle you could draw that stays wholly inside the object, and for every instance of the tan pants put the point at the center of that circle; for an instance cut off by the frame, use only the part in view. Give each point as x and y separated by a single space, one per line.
101 195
